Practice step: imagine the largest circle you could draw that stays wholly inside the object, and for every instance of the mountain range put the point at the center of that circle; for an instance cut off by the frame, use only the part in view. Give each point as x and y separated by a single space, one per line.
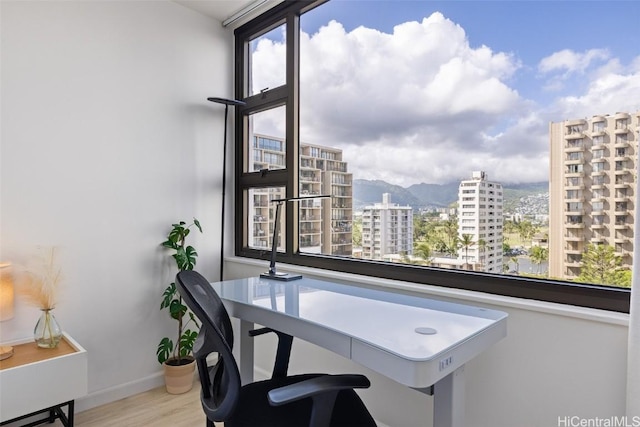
368 192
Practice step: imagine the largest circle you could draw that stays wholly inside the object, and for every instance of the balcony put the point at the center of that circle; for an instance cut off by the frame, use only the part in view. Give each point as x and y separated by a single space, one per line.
569 237
574 135
622 184
621 143
573 146
574 224
574 210
571 160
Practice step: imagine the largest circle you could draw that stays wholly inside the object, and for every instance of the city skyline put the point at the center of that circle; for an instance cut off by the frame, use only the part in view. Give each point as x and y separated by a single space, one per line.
400 91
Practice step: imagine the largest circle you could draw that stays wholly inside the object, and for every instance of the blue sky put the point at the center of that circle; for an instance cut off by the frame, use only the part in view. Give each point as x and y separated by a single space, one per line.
530 29
401 85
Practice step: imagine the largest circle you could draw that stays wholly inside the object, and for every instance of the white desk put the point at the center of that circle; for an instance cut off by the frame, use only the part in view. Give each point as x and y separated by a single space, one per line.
374 328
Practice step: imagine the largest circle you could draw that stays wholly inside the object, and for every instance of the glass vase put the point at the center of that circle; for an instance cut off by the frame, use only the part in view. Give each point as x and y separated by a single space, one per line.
47 332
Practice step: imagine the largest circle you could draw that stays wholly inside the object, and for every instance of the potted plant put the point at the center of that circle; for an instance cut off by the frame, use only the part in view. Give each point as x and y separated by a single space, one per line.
176 357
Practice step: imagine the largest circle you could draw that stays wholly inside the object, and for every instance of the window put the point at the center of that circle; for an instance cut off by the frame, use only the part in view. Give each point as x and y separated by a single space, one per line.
339 102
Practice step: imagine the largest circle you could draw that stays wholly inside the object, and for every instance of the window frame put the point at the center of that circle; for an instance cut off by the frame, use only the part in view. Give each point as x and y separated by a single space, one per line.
555 291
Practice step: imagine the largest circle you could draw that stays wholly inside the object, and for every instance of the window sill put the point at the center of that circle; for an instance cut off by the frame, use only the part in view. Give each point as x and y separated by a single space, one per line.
603 316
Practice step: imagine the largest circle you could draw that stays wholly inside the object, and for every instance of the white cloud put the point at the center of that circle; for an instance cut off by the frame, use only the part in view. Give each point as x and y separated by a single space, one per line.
421 105
571 62
565 64
610 92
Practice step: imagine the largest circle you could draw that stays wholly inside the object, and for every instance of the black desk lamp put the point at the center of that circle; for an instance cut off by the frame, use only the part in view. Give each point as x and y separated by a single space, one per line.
226 103
272 273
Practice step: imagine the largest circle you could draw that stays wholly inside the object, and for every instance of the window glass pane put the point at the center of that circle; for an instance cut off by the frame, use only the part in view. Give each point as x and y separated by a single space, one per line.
314 213
261 217
266 140
323 171
267 61
436 135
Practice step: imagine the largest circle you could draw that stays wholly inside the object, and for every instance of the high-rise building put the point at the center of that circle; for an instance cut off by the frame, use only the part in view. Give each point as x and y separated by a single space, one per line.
325 226
591 189
480 221
387 229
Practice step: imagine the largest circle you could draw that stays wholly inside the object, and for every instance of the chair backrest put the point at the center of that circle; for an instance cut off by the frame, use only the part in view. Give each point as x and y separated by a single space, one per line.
220 382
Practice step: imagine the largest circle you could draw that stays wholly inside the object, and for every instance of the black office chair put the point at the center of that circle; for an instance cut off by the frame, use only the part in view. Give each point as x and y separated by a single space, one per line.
316 400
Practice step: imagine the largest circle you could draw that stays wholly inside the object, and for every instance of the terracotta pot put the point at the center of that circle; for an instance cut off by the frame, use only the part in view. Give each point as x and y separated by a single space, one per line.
179 378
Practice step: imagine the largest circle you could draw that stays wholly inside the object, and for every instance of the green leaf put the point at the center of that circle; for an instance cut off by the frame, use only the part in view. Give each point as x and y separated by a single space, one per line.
182 259
187 340
191 255
175 235
197 223
168 296
177 309
164 349
169 244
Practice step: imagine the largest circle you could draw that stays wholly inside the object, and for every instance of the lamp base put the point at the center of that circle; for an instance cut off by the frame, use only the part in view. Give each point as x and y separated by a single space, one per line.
6 352
283 277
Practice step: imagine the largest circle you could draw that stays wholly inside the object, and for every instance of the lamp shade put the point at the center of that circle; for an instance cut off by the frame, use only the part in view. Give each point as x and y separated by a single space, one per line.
6 292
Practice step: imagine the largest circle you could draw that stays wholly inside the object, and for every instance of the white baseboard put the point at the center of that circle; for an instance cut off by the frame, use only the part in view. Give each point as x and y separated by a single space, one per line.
111 394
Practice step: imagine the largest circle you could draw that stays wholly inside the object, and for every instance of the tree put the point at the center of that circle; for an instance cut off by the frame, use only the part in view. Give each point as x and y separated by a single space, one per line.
527 230
482 247
423 250
451 232
356 233
466 241
538 255
601 265
516 261
506 248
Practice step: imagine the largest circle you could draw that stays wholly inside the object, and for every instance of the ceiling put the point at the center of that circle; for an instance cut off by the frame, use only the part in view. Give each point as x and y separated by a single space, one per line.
218 9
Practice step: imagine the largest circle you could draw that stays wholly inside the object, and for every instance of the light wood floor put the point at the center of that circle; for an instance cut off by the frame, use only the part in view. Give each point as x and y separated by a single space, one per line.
155 408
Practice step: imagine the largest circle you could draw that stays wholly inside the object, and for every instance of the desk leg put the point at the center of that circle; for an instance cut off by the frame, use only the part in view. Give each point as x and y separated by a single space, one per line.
448 400
246 352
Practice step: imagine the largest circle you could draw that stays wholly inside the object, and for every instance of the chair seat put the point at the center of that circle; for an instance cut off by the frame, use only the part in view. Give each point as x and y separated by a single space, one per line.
349 411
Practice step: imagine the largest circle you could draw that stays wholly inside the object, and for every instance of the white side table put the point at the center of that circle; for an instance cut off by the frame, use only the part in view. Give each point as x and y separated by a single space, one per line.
37 381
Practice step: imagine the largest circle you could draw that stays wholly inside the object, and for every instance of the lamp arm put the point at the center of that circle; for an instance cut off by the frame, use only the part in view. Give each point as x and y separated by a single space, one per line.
274 244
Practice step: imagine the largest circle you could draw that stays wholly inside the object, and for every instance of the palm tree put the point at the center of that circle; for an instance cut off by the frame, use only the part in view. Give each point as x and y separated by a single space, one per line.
482 247
514 259
466 241
423 250
451 231
538 255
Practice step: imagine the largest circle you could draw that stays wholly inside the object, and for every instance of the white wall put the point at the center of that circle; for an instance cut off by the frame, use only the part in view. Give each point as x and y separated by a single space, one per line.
556 361
106 139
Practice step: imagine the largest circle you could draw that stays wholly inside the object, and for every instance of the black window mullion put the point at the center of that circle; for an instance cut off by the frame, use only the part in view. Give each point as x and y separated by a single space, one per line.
594 296
292 129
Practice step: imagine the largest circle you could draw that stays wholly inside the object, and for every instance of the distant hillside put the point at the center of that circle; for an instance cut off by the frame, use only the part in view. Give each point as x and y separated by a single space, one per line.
436 195
366 192
516 194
